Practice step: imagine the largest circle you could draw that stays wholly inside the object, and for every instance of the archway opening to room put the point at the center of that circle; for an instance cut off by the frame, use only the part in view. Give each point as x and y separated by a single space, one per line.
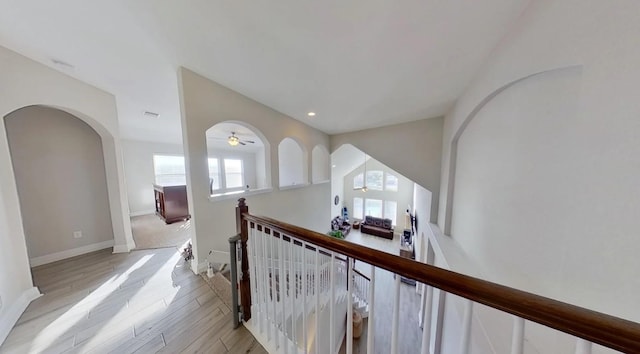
237 159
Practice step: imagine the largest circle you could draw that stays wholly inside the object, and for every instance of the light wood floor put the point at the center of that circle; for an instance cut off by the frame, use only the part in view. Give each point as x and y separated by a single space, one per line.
142 302
410 333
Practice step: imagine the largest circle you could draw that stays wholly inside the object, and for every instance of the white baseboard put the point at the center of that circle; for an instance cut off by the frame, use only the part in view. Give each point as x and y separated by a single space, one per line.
49 258
120 249
144 212
12 316
200 267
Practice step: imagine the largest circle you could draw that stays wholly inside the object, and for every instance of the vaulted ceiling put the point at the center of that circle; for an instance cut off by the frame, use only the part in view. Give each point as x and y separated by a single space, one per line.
357 64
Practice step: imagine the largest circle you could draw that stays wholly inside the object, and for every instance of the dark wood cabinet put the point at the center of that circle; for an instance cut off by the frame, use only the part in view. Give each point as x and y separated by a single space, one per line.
171 203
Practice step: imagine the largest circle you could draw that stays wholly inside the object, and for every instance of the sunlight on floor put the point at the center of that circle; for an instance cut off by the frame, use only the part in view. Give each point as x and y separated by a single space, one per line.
145 300
71 317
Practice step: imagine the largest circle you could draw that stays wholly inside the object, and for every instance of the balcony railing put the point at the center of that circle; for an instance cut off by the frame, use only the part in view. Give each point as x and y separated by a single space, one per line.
297 286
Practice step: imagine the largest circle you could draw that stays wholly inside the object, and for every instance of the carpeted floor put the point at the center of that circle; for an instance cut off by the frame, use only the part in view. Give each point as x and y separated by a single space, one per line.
149 231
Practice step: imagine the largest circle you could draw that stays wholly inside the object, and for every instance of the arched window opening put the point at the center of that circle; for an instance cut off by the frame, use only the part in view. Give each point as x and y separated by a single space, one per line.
237 159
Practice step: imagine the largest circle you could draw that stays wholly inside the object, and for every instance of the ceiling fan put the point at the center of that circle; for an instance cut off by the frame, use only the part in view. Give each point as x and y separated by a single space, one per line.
234 140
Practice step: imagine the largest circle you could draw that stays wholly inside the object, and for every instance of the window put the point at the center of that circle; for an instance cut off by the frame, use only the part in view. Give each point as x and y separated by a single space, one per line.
169 170
390 210
214 175
358 181
374 180
357 208
373 207
391 183
233 173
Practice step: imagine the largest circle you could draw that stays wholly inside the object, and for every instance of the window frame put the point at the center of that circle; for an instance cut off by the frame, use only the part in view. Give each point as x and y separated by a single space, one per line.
183 180
226 174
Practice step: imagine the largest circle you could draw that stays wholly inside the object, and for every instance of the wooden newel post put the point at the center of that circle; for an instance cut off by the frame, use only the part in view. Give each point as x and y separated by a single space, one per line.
245 288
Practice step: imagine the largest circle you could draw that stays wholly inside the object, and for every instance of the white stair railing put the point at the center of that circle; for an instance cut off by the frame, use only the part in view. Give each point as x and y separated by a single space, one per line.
295 287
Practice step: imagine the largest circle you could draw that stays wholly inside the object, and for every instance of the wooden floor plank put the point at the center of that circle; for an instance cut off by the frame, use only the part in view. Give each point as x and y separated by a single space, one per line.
144 301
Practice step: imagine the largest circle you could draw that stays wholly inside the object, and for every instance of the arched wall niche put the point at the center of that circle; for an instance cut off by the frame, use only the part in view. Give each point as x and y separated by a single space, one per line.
453 152
61 181
123 240
292 163
251 153
320 170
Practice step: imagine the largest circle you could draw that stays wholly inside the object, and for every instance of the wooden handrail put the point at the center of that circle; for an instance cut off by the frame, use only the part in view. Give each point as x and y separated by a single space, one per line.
596 327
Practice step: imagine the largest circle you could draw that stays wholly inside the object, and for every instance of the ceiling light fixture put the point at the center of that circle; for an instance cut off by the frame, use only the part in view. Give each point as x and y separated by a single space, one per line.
311 114
233 140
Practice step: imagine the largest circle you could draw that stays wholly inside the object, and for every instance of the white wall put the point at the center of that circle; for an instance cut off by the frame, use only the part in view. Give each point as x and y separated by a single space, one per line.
545 190
291 163
320 171
422 211
413 149
205 103
139 172
61 181
337 189
24 82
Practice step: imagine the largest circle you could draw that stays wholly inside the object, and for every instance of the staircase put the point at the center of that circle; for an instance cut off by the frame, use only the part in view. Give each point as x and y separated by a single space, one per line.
295 302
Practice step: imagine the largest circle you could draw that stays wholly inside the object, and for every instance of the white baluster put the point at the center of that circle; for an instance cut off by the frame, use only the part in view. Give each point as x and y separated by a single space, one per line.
253 260
283 293
396 316
332 304
256 279
274 288
293 288
517 338
304 295
317 295
350 285
426 319
583 346
370 321
265 284
466 327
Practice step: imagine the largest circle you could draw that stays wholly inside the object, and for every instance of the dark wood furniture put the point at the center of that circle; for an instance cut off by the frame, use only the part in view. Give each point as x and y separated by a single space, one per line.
171 203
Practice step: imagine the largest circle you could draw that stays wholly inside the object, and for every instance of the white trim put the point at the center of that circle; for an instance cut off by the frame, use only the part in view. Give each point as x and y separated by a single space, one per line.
199 267
49 258
121 248
12 316
219 197
294 186
144 212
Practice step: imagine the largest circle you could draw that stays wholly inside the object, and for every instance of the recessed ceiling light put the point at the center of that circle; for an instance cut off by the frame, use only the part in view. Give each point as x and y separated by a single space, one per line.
311 114
333 166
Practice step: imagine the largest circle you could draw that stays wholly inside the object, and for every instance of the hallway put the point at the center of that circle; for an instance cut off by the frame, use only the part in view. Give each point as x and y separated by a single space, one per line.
144 301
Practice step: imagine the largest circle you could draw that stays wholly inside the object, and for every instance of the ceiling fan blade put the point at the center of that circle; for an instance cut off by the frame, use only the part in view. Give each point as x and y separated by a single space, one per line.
249 141
241 143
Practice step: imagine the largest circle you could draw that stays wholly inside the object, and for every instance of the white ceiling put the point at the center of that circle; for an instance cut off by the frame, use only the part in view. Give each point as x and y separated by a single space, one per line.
357 64
218 135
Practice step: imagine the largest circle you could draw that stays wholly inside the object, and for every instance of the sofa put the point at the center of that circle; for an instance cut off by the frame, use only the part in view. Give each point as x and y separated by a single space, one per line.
340 224
377 226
